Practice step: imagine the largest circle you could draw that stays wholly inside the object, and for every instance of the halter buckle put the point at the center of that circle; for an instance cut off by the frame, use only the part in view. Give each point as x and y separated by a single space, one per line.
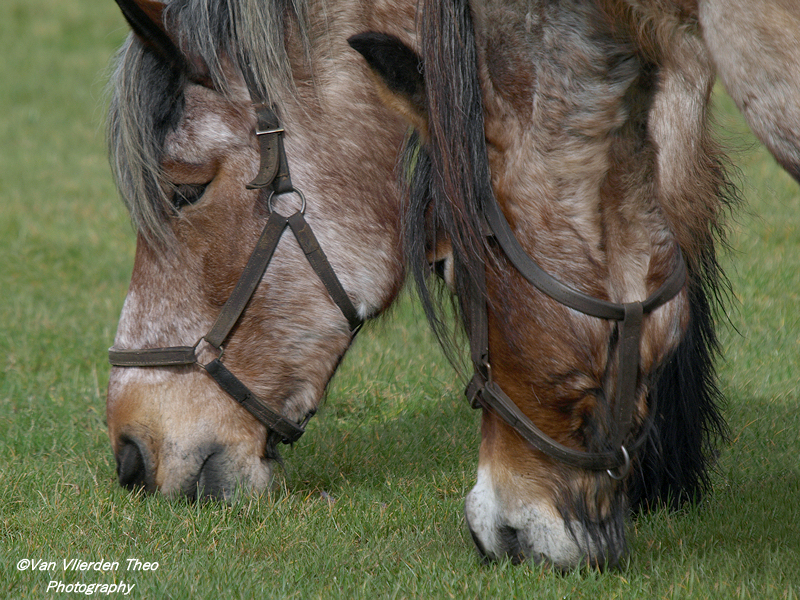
270 131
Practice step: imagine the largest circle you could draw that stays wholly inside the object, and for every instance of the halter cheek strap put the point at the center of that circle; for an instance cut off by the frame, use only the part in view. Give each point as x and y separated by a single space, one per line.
273 173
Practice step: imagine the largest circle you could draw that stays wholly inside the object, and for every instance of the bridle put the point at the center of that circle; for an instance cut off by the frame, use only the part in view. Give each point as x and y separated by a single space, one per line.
483 392
273 177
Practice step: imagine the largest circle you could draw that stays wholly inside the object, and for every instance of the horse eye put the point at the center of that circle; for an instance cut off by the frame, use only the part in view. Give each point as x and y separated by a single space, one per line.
188 194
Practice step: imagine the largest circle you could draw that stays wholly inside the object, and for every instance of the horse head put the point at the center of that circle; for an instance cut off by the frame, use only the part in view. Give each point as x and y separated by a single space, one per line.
213 106
569 139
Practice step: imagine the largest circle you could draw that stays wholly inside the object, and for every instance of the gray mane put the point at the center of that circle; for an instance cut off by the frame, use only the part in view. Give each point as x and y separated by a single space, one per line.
146 95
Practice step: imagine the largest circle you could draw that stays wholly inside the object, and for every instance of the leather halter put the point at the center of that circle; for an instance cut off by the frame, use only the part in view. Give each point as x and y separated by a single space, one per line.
483 392
273 176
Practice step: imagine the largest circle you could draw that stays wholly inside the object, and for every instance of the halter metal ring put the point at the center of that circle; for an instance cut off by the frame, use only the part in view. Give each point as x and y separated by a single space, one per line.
624 469
207 347
302 210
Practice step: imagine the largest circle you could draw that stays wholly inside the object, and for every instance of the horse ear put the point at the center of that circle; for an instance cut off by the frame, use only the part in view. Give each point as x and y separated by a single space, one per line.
398 73
146 18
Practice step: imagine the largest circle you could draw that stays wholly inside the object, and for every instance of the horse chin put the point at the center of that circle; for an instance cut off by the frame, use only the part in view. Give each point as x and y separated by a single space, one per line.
538 531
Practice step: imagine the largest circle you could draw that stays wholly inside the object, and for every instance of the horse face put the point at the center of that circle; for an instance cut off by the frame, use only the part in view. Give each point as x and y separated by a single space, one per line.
566 129
585 137
173 429
187 430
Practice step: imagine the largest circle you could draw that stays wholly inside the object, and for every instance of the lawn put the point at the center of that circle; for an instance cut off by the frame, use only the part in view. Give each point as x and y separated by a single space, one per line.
371 502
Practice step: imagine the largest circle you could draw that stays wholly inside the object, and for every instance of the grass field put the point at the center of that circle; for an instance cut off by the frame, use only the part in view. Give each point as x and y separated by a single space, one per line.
371 502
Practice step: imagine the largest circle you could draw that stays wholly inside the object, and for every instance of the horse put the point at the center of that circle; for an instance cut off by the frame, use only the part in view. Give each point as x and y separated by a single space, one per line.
565 184
229 124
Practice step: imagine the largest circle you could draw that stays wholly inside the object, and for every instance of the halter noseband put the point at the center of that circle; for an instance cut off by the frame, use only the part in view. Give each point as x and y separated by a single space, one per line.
483 392
273 173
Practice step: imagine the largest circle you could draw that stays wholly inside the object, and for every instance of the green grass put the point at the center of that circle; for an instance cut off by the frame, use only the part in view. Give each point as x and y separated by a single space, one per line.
371 502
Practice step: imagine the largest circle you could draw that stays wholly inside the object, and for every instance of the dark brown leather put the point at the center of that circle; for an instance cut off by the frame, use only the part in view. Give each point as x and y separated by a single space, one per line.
270 137
248 281
319 262
287 430
152 357
562 293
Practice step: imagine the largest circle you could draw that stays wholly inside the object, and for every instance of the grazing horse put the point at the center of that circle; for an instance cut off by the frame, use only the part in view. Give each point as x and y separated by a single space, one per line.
565 176
563 181
230 124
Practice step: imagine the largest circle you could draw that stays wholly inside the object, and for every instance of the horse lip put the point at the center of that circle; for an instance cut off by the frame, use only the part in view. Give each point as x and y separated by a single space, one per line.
484 556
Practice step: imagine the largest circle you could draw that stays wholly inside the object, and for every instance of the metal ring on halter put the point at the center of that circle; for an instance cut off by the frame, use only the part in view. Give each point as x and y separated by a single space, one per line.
302 210
208 348
626 466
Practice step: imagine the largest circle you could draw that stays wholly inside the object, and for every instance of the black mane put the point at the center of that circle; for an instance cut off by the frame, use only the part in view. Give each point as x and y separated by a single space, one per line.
448 176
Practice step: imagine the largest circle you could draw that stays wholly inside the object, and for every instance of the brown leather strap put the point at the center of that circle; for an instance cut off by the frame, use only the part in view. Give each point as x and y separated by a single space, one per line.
319 262
268 131
562 293
283 180
489 395
478 326
249 280
152 357
630 333
270 141
274 168
290 432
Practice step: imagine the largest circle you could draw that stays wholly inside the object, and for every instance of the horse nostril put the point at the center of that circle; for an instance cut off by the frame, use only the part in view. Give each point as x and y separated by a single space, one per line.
507 545
131 470
212 480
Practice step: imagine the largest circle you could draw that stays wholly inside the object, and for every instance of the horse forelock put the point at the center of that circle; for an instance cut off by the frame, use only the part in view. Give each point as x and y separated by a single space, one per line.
146 100
451 175
145 105
250 33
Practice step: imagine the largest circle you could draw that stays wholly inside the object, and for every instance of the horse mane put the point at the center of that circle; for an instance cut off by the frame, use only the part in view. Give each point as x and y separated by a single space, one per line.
146 98
448 176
